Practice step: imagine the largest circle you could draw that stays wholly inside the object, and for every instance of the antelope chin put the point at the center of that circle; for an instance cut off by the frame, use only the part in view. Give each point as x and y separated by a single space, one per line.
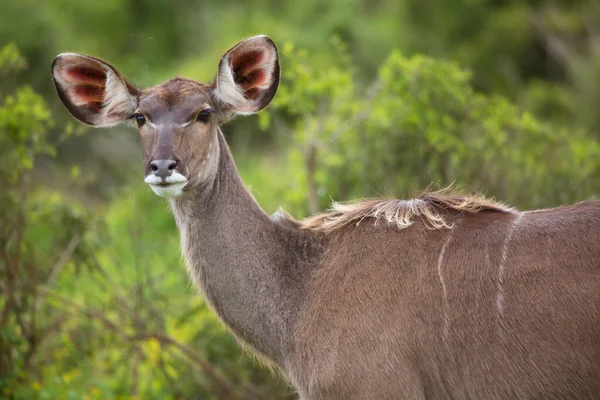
168 190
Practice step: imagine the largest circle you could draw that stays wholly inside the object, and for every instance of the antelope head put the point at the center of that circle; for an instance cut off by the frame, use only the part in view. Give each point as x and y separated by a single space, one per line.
179 119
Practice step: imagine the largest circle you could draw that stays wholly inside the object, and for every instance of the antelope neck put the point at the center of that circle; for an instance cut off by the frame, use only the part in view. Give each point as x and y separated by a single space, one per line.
245 263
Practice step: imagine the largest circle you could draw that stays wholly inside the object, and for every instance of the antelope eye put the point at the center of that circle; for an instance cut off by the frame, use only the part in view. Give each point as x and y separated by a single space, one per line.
140 119
203 116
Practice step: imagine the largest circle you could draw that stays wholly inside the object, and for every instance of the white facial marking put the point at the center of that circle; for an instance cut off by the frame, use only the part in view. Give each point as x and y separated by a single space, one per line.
175 177
204 162
503 259
441 276
153 179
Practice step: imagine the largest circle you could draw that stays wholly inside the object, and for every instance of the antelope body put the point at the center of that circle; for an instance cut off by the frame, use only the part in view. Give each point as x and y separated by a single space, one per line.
439 297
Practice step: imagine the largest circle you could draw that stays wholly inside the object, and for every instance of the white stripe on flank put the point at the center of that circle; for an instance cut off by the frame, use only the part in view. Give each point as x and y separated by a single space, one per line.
503 259
441 276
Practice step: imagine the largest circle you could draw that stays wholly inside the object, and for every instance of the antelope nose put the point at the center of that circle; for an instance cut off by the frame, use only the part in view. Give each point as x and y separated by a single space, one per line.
163 168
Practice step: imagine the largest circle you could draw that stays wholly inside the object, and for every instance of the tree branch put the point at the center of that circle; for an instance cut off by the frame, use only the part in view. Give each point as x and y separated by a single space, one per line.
56 269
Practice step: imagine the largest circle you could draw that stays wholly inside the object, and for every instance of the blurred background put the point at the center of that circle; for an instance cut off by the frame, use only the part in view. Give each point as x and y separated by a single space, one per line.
378 97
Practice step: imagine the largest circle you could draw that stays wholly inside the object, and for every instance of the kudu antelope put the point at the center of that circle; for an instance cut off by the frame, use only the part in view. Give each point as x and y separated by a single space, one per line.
438 297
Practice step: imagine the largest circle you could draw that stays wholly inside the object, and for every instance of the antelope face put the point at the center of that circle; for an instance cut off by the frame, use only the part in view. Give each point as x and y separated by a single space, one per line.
179 119
178 126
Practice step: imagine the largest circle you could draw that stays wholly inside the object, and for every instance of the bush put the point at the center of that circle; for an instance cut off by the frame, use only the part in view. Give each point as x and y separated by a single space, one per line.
421 122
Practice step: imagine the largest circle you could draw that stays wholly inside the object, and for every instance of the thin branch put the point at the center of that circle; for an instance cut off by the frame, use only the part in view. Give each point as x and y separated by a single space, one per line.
138 321
224 386
57 268
370 96
311 167
12 265
162 366
97 315
281 128
135 386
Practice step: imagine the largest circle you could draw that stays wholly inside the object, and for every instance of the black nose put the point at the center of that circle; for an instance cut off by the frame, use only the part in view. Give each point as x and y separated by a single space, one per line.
163 168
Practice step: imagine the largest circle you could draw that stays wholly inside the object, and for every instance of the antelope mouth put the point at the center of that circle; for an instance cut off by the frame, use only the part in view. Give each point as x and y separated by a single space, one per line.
171 186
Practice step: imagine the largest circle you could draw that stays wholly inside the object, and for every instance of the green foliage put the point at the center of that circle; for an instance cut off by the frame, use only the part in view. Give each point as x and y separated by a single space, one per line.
30 244
421 121
540 55
24 121
11 59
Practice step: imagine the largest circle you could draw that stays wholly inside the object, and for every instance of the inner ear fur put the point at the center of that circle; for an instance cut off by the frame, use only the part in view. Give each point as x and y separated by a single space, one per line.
248 75
92 90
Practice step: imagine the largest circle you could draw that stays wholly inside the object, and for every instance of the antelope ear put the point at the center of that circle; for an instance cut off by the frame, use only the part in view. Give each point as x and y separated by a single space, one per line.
248 75
92 90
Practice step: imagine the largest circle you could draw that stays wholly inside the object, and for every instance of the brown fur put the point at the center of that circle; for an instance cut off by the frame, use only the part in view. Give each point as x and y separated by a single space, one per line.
468 300
379 303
